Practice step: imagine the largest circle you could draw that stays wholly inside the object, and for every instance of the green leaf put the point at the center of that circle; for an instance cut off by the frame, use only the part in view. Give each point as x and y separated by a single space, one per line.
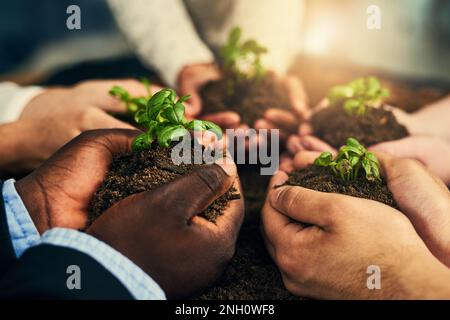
324 159
146 82
141 102
120 93
141 116
160 97
196 125
179 111
132 107
141 142
211 126
351 105
184 98
170 133
169 114
352 142
234 36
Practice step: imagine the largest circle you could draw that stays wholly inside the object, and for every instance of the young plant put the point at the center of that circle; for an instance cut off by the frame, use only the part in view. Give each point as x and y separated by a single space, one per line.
133 104
349 161
358 94
242 59
163 117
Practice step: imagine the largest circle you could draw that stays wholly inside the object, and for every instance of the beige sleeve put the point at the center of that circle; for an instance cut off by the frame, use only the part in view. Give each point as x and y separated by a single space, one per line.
162 34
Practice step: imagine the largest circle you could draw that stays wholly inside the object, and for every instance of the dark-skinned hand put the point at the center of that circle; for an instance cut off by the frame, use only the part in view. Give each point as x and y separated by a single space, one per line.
158 230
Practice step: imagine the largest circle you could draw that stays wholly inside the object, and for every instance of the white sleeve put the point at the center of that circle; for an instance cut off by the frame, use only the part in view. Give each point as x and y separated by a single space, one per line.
275 24
13 99
162 34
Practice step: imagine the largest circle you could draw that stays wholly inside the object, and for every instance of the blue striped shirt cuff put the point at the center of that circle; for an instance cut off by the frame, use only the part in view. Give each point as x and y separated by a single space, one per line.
138 283
22 230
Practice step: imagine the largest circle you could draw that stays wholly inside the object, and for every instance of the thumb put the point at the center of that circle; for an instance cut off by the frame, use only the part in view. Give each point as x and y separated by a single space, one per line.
98 119
403 148
191 194
305 205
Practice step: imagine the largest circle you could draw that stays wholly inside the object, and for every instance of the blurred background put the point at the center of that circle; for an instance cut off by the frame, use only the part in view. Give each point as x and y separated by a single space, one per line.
413 43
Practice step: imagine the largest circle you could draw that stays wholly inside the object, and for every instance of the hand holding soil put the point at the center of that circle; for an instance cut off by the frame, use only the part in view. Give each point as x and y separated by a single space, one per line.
311 236
58 193
161 232
60 114
244 87
190 80
424 199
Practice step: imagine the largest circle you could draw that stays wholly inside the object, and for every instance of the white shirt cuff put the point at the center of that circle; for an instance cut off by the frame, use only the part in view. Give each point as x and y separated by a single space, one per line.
13 100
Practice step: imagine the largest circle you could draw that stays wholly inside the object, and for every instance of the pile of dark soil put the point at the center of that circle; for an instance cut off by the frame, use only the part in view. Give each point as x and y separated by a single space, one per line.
324 180
251 273
250 99
143 171
333 125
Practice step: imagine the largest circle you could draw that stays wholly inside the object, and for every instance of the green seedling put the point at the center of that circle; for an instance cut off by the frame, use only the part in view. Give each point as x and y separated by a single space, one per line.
163 117
357 95
349 161
242 60
132 104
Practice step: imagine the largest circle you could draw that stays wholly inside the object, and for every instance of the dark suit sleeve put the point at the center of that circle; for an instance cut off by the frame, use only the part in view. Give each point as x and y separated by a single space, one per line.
7 254
41 272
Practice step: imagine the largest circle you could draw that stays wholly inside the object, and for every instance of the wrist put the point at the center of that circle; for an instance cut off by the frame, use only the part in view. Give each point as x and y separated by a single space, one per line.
425 278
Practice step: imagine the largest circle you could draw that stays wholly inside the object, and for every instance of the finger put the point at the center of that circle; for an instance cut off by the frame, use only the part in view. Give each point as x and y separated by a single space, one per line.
282 119
98 92
113 141
312 143
194 107
225 119
401 116
194 192
286 163
230 221
95 118
273 221
305 158
265 124
293 144
305 129
298 96
305 205
402 148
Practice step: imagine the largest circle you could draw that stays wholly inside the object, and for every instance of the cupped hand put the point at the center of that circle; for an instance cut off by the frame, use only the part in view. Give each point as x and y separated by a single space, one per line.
324 245
424 199
57 194
59 114
190 80
287 121
161 232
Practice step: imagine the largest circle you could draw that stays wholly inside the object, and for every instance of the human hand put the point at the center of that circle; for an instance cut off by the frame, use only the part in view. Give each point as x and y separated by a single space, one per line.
57 194
190 80
60 114
433 152
287 121
160 231
424 199
329 258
